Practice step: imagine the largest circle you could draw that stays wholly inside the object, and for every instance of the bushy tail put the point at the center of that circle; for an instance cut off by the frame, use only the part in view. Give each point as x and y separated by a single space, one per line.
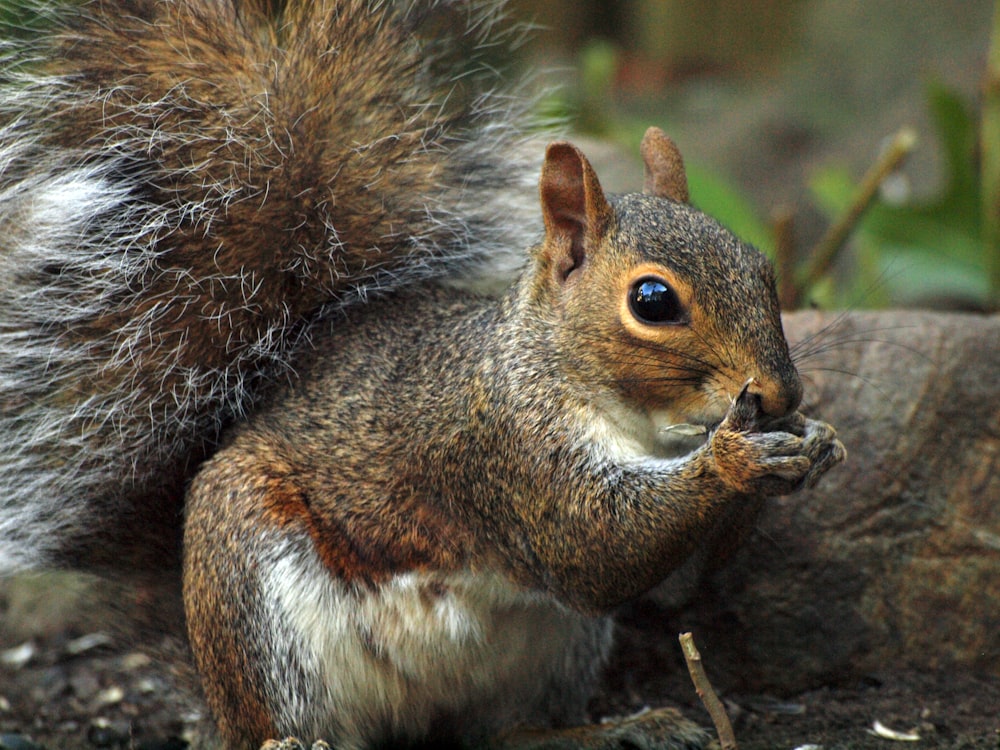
184 184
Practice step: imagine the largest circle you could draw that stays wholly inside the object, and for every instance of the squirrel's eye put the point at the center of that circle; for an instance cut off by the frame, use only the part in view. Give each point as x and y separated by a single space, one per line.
652 300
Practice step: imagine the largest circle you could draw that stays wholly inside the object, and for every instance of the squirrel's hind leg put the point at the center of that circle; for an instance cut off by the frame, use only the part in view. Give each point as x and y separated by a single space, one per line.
256 674
287 647
656 729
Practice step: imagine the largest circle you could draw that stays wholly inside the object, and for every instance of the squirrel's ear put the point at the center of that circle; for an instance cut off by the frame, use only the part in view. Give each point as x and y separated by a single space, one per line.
665 176
574 208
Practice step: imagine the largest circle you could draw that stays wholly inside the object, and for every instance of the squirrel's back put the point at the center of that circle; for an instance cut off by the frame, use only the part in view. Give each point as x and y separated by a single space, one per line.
184 185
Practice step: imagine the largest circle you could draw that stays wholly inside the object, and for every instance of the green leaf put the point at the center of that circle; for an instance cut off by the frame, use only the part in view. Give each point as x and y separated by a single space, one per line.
923 251
956 131
719 199
832 188
916 275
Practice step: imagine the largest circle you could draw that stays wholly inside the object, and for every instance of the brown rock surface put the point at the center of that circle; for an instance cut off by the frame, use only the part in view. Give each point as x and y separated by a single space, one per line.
894 559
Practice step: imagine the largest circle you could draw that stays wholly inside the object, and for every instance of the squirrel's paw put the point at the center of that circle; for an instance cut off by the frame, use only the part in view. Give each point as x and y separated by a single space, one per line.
656 729
760 454
291 743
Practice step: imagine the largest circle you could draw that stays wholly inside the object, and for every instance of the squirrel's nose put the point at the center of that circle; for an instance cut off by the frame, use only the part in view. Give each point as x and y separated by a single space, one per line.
779 394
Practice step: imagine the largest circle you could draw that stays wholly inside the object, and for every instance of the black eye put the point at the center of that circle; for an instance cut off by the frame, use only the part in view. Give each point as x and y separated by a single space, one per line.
652 300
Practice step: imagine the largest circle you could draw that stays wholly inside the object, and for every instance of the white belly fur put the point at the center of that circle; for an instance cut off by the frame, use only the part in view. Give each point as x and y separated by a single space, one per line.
390 660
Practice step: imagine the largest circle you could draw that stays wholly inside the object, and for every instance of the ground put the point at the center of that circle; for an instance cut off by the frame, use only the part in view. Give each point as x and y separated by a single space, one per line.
948 709
72 691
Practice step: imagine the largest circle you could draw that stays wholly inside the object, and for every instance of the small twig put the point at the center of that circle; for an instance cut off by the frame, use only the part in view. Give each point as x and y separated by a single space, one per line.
825 252
727 740
989 160
782 219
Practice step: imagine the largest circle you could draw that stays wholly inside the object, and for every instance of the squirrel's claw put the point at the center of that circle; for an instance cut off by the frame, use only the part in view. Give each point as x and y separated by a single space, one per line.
828 453
293 743
745 411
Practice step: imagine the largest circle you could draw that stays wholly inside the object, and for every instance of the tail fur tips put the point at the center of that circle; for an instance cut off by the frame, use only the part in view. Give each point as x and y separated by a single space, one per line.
183 186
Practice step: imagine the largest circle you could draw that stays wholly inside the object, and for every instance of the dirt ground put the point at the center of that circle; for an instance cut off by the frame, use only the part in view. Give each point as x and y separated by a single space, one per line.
73 690
948 710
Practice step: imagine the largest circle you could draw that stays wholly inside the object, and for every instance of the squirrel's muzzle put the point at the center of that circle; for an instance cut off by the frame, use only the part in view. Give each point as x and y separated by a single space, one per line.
779 395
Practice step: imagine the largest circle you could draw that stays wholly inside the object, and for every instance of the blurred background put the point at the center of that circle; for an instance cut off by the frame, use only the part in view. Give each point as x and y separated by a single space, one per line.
781 106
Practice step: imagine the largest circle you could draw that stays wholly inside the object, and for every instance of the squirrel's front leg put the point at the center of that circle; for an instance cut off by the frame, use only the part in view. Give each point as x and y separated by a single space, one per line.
757 458
619 525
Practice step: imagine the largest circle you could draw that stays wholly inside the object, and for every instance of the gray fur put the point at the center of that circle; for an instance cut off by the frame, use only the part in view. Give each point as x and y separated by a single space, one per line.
87 434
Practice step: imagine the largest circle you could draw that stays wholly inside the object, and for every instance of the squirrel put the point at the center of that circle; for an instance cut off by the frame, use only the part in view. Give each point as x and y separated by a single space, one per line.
235 339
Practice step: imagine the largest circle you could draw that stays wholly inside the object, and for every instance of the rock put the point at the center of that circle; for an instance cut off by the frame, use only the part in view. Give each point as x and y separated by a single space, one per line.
44 605
18 656
87 643
894 559
17 742
104 733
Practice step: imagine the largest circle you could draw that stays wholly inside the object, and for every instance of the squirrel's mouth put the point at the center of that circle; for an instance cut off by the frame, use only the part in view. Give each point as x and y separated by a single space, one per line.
681 439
